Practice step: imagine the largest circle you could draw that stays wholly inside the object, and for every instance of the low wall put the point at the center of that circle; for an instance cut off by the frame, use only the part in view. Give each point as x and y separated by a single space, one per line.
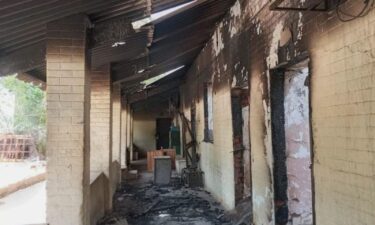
98 198
22 184
116 176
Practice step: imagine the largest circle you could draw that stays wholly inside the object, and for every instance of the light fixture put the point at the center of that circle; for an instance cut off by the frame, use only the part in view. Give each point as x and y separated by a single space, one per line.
118 43
154 16
160 76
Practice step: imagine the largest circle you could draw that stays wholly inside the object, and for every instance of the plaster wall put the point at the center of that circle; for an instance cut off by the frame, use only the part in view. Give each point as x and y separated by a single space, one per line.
249 42
144 132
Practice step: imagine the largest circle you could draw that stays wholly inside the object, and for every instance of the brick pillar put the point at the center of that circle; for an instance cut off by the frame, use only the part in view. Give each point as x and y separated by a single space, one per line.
131 124
101 128
68 138
128 157
116 132
123 133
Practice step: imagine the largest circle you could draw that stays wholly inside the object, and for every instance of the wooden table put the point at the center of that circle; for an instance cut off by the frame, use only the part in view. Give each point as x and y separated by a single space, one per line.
164 152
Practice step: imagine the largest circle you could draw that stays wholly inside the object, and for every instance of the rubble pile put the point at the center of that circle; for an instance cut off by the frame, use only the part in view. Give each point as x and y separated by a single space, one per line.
144 203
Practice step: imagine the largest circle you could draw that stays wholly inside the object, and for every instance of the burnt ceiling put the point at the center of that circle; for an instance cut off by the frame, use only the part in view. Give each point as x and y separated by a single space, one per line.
135 54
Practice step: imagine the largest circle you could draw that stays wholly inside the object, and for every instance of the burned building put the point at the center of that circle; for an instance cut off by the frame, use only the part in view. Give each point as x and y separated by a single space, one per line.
273 101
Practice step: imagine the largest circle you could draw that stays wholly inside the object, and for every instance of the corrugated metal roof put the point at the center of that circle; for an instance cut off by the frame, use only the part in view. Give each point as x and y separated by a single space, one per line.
162 45
22 22
177 39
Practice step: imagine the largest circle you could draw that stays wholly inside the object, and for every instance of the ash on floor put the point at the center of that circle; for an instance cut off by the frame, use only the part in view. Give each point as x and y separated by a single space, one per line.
141 202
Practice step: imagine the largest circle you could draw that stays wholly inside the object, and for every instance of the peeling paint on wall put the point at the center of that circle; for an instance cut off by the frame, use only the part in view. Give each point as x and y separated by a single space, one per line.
297 139
246 155
235 21
258 28
234 81
300 26
218 42
240 76
273 59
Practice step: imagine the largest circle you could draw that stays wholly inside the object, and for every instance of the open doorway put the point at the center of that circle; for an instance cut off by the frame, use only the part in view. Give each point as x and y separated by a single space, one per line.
292 151
241 143
22 150
163 126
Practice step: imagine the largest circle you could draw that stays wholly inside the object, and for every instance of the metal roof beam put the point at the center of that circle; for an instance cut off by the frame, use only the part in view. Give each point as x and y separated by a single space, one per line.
139 96
23 60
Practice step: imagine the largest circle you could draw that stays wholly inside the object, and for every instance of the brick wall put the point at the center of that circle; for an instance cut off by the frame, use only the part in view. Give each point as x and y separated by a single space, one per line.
128 131
249 42
100 126
116 132
68 102
100 132
124 115
343 122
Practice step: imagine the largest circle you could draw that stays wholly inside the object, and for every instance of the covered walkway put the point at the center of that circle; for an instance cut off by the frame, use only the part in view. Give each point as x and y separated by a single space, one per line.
270 103
141 202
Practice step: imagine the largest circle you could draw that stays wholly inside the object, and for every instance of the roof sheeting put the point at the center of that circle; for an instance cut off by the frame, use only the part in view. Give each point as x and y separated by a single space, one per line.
171 41
23 22
177 39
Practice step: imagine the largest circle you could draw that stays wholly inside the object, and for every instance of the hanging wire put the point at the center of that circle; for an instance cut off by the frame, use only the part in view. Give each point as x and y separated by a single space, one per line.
346 17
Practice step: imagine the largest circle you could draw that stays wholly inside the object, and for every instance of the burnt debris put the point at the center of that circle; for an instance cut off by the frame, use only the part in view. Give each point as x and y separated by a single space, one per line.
143 203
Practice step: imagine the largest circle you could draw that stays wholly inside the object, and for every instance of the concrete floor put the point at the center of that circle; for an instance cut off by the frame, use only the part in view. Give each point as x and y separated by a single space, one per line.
142 203
24 207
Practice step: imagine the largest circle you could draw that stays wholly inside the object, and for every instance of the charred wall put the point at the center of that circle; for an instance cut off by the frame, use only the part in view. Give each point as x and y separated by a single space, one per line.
249 42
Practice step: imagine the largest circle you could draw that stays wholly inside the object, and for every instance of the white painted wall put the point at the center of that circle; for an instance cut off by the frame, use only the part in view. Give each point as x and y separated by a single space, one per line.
144 132
217 158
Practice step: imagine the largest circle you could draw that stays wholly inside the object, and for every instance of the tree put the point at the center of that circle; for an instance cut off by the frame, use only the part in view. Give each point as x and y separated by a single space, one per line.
30 109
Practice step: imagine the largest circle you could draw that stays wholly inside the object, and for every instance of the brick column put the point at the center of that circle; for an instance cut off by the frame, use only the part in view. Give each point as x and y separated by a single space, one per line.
128 130
68 138
123 133
131 130
101 128
116 132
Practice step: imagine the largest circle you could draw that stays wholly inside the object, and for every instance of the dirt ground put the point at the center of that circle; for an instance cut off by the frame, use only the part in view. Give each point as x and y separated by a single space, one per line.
141 202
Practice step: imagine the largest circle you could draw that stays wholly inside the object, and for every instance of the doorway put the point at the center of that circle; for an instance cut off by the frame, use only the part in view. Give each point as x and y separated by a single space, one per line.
163 126
292 151
241 143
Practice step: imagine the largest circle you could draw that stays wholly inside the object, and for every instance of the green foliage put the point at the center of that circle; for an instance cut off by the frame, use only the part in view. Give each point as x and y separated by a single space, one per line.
30 109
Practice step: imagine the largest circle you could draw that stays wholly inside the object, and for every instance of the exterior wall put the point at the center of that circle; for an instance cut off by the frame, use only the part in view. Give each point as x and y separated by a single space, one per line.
343 122
68 118
144 132
217 157
249 42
